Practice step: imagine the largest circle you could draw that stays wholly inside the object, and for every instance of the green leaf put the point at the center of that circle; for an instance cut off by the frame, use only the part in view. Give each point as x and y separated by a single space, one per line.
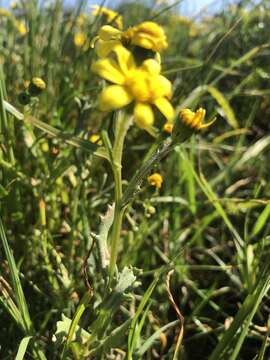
52 131
132 332
225 105
261 221
16 283
23 347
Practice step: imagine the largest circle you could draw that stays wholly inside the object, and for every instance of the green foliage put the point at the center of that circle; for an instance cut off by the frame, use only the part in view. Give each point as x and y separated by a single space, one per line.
86 243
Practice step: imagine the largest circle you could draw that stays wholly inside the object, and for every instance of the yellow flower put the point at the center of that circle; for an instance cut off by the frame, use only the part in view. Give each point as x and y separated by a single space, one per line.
13 4
4 12
155 180
36 86
143 84
81 20
190 122
21 27
194 120
95 139
110 15
79 39
168 127
148 35
108 38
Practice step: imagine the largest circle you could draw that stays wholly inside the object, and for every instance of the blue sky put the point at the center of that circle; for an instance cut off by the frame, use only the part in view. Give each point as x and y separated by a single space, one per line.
188 7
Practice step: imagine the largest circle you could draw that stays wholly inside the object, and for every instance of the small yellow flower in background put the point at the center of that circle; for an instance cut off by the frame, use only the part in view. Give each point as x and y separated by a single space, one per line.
95 139
110 15
81 20
4 12
143 84
20 26
155 180
79 39
36 86
168 127
13 4
148 35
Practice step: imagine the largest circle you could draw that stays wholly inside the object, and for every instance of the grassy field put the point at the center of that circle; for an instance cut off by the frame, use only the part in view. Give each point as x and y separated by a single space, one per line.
119 238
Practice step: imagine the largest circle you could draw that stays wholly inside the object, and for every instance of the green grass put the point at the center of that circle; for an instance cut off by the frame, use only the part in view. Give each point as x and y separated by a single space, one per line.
61 295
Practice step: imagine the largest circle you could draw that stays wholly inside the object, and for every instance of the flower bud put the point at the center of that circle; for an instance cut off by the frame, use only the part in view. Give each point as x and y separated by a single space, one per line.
155 180
37 85
189 123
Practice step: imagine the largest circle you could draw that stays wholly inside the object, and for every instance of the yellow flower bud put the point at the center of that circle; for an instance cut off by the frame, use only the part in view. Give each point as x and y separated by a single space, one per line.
21 27
155 180
168 128
189 123
79 39
95 139
37 85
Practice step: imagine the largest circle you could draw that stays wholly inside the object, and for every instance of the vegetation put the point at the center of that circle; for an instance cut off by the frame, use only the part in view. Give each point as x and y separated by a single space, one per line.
119 240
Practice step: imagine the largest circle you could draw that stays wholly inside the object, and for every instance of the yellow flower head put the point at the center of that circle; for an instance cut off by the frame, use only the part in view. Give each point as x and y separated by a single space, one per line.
20 26
79 39
13 4
148 35
36 86
4 12
168 127
95 139
194 120
155 180
190 122
110 15
143 84
81 20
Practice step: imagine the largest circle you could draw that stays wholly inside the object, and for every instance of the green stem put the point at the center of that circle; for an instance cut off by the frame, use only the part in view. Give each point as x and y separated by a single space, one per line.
146 167
121 127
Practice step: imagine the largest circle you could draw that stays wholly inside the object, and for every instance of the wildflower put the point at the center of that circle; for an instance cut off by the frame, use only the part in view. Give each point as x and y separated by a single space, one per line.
148 35
143 84
81 20
13 4
110 15
108 38
4 12
36 86
155 180
190 122
20 26
79 39
193 119
168 127
95 139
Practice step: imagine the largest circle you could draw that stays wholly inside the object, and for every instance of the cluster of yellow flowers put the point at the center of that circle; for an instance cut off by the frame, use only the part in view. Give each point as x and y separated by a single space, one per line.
132 80
108 15
130 61
19 25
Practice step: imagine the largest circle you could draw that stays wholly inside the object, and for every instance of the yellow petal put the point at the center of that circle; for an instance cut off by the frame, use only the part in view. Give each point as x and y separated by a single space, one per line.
125 59
165 107
151 66
114 97
165 86
103 48
144 116
109 70
108 32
